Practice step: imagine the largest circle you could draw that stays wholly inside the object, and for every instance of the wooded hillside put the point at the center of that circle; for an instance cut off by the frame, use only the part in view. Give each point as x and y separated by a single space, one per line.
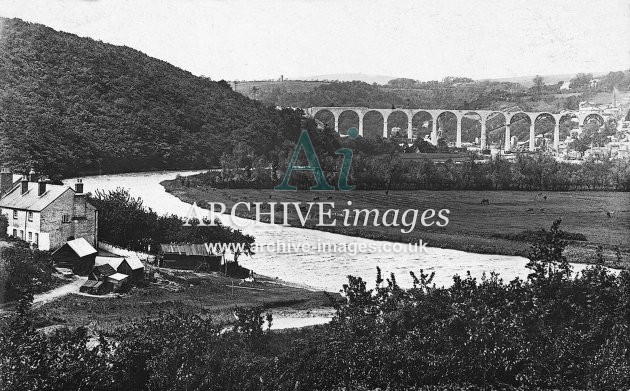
71 105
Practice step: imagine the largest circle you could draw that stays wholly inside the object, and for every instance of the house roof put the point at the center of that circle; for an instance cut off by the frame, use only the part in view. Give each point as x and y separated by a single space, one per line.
105 270
118 276
81 247
112 261
14 199
134 263
186 249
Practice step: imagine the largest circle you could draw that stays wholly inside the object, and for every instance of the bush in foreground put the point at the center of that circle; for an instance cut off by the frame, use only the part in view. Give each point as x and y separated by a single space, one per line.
553 330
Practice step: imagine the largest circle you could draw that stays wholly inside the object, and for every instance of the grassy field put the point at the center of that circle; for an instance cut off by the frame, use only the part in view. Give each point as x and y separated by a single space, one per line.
212 294
473 227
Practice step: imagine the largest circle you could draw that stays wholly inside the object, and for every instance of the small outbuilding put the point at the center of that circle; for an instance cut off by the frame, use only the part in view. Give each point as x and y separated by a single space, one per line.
93 287
190 257
112 261
117 281
133 267
77 255
101 272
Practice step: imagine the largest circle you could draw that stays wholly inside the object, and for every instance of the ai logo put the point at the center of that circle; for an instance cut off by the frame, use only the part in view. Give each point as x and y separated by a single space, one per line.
313 164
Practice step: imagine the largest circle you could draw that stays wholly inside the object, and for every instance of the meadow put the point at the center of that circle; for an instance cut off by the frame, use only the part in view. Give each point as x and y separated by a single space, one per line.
499 227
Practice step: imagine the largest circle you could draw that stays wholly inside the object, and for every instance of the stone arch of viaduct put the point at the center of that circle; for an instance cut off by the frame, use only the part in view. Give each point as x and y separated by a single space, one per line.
485 115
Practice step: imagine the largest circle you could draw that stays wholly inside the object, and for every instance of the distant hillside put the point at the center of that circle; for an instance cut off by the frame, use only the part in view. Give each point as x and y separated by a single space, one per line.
370 79
258 89
527 81
72 105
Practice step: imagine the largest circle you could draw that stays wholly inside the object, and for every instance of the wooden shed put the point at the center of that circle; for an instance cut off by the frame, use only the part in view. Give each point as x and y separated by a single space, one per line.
93 287
117 281
133 267
190 257
101 272
77 255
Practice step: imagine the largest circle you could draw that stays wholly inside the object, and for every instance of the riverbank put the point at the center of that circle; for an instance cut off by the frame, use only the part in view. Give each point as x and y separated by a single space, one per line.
473 227
210 294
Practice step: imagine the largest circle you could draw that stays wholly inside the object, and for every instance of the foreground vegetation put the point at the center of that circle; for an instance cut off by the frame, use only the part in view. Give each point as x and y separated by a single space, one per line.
554 330
22 268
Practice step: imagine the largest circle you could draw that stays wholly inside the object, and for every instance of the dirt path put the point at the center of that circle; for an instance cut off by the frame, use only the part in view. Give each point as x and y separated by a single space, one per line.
56 293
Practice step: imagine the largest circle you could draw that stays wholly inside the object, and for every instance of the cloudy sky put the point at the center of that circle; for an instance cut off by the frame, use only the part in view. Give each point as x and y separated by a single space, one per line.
421 39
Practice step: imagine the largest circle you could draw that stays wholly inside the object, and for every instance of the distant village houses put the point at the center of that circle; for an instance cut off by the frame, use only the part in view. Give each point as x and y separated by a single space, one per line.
47 215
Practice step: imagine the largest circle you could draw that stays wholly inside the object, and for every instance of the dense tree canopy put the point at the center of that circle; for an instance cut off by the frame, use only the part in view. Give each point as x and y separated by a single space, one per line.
74 105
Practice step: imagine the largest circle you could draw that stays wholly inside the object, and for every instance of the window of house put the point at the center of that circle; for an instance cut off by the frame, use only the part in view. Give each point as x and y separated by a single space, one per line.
15 214
15 233
21 234
30 236
65 219
36 239
30 216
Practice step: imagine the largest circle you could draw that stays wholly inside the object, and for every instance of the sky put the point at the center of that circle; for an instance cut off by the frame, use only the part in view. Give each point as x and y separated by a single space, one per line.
419 39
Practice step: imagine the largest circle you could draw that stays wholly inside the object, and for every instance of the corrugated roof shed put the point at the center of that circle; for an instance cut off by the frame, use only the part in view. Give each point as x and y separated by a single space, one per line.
81 247
92 283
186 249
30 200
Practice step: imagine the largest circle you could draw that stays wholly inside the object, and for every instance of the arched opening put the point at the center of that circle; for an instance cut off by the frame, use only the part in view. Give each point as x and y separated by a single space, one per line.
325 119
422 125
373 124
397 125
495 130
594 119
348 119
471 129
520 125
447 128
569 126
544 126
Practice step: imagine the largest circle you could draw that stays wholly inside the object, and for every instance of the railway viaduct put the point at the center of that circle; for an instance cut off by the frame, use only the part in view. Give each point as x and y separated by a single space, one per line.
485 116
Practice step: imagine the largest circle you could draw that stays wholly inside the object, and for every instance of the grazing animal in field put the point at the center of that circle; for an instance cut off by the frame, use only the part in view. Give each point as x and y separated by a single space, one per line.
316 199
329 198
485 201
269 196
545 198
386 192
530 209
542 209
608 214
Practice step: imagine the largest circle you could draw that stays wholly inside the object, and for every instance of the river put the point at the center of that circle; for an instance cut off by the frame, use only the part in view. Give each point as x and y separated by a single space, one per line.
324 269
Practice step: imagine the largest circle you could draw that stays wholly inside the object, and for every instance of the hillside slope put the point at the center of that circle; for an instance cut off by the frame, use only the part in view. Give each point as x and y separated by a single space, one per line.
71 105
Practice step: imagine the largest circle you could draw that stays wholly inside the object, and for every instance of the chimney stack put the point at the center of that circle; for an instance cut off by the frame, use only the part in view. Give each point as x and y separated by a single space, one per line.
80 200
24 184
41 188
6 181
32 176
78 187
